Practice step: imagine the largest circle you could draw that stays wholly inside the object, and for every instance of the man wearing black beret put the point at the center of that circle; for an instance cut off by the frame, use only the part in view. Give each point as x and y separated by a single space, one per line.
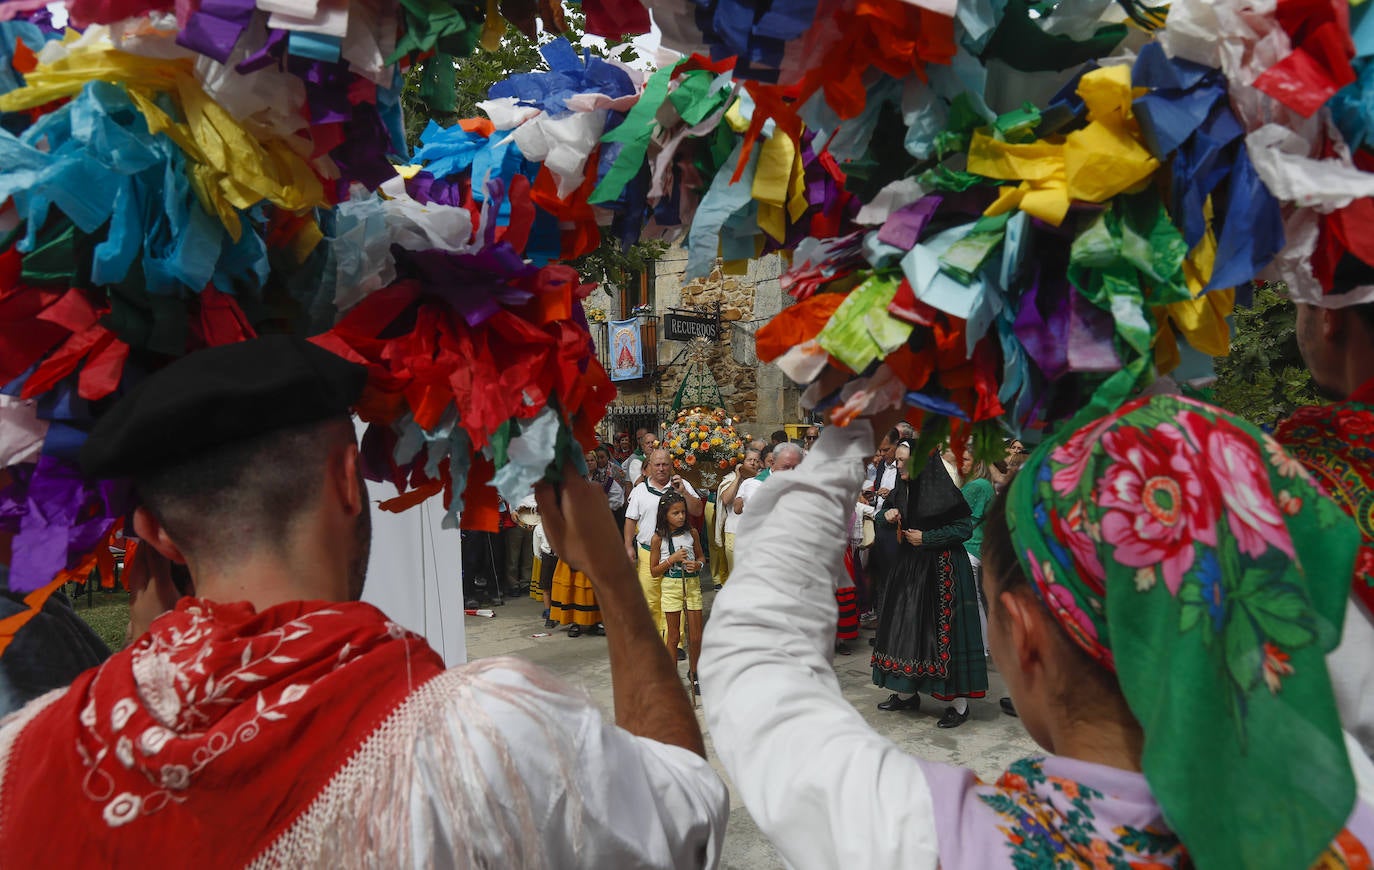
273 719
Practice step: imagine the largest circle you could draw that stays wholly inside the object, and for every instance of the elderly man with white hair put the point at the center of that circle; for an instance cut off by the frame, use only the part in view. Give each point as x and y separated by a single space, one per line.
787 456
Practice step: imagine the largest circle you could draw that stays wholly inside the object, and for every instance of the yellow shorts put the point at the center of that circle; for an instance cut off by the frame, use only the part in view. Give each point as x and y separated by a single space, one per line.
675 589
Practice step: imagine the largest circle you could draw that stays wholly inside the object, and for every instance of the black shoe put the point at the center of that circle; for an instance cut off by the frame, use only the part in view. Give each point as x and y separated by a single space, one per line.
952 718
575 631
843 649
696 686
599 628
896 702
717 587
681 654
549 623
873 642
1008 707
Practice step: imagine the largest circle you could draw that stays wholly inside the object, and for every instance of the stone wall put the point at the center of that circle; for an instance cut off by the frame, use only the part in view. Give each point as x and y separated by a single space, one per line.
757 395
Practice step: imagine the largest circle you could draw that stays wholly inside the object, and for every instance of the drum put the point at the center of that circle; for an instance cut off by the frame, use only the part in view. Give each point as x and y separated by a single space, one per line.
527 517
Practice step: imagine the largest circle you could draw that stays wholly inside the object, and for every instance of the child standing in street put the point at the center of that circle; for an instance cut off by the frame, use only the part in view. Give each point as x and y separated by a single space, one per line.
676 550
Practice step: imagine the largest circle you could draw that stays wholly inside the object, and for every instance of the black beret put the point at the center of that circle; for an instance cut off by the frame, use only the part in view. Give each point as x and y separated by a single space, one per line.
217 396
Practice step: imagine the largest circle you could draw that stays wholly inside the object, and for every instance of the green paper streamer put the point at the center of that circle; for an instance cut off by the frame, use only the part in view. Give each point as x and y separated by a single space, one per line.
634 132
693 98
861 331
966 256
57 256
439 84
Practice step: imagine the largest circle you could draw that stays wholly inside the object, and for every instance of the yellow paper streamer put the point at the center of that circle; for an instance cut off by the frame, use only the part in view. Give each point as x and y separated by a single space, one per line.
493 28
1092 164
229 169
773 183
1202 319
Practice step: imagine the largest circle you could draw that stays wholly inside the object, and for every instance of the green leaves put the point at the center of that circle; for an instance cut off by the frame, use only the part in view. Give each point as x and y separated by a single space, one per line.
1283 615
1192 608
1264 379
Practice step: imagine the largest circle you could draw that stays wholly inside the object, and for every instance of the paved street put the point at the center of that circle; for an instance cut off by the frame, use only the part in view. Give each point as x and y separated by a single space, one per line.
987 742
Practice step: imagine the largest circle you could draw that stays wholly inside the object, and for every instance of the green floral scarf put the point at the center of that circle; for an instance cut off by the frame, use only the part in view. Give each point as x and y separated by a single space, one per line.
1181 547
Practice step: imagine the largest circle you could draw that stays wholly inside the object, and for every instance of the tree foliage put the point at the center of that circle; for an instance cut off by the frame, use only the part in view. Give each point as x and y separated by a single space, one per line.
476 73
1264 379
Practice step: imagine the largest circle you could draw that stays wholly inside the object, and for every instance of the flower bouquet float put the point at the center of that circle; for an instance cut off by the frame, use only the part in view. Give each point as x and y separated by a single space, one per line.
703 446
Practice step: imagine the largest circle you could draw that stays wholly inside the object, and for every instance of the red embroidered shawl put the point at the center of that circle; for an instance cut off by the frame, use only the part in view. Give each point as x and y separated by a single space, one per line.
201 743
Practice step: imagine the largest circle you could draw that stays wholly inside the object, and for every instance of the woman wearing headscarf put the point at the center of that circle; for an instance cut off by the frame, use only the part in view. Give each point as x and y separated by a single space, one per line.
929 638
1163 584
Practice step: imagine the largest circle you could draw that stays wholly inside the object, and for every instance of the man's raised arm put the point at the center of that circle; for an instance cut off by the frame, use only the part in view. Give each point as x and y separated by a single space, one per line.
649 699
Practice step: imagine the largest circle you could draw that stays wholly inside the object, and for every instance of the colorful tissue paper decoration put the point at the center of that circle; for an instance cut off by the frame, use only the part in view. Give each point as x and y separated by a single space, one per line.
1000 213
703 444
177 179
1299 77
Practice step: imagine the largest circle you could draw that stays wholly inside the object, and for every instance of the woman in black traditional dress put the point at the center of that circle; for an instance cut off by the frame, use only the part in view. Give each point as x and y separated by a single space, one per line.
928 632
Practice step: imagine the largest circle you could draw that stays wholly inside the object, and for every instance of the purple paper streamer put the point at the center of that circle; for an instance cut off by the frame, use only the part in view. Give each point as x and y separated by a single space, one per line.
216 27
64 517
476 285
1045 338
904 226
1090 337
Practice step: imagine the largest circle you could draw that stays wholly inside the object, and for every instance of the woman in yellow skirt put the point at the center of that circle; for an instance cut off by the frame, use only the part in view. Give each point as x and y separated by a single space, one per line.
572 601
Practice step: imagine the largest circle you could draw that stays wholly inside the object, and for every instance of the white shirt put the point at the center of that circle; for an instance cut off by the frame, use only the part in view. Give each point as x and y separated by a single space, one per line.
770 690
592 795
642 507
540 542
615 496
723 511
731 518
1352 674
887 480
634 467
745 492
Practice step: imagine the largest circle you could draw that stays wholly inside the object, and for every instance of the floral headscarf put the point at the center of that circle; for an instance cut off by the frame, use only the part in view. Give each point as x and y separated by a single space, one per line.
1185 550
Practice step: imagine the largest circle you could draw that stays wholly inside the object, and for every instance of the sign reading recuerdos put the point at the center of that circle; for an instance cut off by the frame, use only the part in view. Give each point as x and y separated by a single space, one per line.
678 327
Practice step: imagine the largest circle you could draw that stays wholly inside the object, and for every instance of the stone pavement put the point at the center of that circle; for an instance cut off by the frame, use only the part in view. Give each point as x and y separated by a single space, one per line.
987 742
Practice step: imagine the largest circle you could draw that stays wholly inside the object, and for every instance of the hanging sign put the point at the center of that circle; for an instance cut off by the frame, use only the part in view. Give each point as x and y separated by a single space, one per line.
681 327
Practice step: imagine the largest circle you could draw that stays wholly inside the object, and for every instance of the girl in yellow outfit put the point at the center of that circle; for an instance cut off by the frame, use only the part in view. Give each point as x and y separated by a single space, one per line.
675 550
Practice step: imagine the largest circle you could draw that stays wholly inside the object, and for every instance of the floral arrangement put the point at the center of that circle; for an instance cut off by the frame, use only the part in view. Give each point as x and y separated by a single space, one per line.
702 443
594 314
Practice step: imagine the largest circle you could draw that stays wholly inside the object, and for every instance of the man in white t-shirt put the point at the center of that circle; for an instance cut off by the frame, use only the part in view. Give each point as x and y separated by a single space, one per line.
641 515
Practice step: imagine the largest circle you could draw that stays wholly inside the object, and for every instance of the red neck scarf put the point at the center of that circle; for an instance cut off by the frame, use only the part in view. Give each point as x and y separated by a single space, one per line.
1336 443
208 737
